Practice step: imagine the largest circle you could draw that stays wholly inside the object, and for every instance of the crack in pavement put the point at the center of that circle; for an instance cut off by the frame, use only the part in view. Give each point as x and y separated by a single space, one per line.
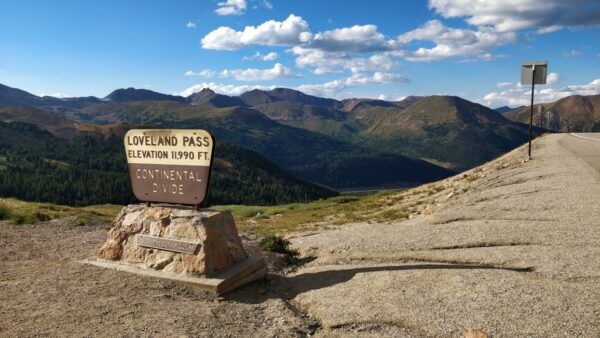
479 245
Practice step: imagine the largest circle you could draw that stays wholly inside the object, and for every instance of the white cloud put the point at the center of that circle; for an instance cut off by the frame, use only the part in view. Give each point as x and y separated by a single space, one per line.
291 31
519 95
203 73
451 42
382 97
335 87
360 48
231 7
552 78
226 89
271 56
278 72
503 84
57 95
190 25
514 15
294 31
382 77
484 57
572 53
266 4
338 49
331 62
358 39
591 88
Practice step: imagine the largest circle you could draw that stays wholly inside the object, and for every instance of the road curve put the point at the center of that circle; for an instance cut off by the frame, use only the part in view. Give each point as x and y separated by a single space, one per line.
586 146
588 136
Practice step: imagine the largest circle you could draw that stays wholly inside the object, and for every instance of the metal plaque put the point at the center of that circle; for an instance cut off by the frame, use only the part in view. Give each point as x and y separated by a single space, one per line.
528 75
169 165
166 244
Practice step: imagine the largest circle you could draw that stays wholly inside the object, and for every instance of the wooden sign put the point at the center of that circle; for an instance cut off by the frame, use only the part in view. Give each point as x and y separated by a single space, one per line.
169 165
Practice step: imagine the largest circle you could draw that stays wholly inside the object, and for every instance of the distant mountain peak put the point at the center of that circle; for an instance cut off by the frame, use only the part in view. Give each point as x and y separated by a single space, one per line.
506 109
205 91
208 97
257 97
133 94
357 104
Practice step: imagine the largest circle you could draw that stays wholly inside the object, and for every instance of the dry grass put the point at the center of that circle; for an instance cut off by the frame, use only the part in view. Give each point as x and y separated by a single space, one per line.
19 212
387 206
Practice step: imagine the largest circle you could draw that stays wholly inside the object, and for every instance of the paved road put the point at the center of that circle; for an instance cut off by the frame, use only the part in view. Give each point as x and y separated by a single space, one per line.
588 136
511 248
585 146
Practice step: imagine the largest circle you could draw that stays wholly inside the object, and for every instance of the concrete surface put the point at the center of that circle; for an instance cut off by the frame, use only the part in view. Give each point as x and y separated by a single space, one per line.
516 254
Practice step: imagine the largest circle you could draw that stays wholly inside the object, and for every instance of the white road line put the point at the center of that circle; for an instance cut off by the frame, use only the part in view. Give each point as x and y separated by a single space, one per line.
587 138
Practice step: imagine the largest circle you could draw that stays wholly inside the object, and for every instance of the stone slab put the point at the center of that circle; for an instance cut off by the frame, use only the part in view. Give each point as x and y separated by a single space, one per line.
251 269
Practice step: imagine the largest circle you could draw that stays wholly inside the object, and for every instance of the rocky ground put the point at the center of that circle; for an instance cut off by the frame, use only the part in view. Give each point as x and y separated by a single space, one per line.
44 291
510 249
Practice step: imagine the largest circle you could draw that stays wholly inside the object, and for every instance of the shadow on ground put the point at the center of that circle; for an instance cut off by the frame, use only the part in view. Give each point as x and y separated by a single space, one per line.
276 286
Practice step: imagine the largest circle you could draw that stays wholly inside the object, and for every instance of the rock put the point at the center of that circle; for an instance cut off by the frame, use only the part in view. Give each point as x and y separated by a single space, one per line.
132 222
96 223
473 333
111 250
427 210
134 253
219 245
159 260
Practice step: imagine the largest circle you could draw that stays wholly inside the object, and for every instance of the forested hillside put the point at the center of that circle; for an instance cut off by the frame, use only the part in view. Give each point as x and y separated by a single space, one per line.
92 169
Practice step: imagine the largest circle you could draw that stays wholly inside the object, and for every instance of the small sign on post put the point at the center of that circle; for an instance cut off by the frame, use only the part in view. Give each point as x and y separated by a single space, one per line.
169 165
533 72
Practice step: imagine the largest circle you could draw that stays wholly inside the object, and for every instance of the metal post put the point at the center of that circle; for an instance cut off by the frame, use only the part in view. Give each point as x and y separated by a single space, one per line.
540 110
531 111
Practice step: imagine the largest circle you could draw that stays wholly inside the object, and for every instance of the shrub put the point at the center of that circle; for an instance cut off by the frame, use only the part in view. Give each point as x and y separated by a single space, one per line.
42 217
4 211
80 221
276 243
22 217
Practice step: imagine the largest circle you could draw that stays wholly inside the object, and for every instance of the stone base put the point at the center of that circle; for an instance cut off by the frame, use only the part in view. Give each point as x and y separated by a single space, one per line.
201 247
253 268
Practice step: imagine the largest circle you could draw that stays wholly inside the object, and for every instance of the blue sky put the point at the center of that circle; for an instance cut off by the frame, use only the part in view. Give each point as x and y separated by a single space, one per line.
387 49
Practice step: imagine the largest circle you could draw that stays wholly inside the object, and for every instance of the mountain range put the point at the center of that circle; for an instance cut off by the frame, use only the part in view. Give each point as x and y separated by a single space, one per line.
574 113
311 155
338 143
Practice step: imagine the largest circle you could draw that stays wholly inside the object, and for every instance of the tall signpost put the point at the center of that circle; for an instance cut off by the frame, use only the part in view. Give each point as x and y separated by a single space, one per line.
533 72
